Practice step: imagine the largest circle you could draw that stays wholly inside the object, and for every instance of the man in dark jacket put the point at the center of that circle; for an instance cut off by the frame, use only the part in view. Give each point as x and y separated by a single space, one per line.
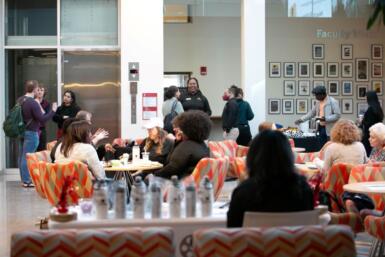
230 115
195 100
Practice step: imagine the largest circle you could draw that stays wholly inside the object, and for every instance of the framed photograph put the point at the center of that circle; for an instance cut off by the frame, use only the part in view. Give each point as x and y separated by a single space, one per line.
318 51
274 106
318 83
377 69
303 87
377 50
347 87
377 86
289 87
361 91
347 106
361 108
275 69
346 52
347 70
288 106
362 69
332 70
289 69
303 69
301 106
333 87
313 102
318 69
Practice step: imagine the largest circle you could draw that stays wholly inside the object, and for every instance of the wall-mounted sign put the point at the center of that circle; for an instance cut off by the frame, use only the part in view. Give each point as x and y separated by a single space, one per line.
149 105
203 70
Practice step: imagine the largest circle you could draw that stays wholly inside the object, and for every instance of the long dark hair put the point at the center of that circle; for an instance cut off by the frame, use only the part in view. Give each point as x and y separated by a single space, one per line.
270 161
73 97
77 132
372 99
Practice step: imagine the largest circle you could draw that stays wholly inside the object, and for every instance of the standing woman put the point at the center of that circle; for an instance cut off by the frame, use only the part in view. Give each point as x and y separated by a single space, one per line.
245 114
194 99
68 109
171 107
373 115
41 93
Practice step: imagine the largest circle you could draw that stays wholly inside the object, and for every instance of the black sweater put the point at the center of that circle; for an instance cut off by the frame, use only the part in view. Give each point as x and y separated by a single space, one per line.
183 159
284 198
230 115
370 118
62 111
196 102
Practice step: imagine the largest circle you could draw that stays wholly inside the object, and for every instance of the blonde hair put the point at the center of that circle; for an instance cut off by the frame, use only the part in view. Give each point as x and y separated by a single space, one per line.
378 131
345 132
161 137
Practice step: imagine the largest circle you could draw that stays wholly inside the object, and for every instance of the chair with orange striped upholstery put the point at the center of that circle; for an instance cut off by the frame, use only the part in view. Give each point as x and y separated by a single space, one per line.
50 145
33 168
309 157
52 178
144 242
329 241
375 226
214 168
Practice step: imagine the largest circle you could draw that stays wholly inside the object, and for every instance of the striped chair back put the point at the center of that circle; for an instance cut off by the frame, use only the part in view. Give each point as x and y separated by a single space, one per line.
33 168
214 168
226 148
145 242
53 176
328 241
50 145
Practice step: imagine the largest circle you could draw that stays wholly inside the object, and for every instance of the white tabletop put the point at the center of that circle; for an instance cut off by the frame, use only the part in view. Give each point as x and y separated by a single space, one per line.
373 187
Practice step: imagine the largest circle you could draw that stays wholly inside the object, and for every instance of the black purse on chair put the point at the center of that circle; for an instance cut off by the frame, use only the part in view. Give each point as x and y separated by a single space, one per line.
361 201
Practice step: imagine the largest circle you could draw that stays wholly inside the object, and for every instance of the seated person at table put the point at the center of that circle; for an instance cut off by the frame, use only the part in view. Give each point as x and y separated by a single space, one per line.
117 148
346 145
156 143
76 145
377 142
193 128
266 125
273 184
99 134
66 123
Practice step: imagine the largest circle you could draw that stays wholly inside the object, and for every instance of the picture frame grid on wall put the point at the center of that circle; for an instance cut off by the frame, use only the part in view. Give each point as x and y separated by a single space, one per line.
377 51
333 87
377 86
289 69
346 52
318 69
361 91
362 69
377 69
347 69
347 87
361 108
274 106
303 87
274 69
302 106
289 87
318 83
347 106
303 69
332 70
318 51
287 106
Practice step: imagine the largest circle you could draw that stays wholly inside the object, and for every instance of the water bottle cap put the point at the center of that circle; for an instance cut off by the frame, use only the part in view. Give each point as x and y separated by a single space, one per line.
138 179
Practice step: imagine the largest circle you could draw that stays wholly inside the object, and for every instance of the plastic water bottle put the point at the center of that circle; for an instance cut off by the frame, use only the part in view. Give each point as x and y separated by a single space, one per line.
100 199
156 199
191 200
120 201
138 193
206 195
175 197
135 153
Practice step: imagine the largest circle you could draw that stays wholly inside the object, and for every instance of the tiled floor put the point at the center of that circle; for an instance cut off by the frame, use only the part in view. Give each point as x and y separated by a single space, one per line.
20 208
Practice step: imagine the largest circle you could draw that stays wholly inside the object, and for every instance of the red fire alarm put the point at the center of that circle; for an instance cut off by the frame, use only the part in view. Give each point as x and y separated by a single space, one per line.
203 70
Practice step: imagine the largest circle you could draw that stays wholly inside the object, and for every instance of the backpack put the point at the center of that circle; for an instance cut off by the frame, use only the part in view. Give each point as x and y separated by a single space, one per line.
169 117
13 124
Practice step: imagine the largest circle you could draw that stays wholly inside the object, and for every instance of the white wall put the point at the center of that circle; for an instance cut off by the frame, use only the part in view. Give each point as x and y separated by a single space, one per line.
214 42
291 39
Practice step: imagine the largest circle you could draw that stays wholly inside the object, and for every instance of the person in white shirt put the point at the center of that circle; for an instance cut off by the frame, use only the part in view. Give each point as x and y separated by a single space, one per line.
346 146
76 145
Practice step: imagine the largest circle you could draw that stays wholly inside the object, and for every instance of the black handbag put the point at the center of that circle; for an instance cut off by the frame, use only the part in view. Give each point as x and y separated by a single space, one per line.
361 201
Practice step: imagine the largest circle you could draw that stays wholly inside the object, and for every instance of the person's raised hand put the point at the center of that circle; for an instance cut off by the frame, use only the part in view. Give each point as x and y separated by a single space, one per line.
297 122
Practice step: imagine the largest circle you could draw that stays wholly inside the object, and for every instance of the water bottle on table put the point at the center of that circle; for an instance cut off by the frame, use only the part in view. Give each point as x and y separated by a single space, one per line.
175 197
191 200
156 199
206 195
100 199
120 200
138 198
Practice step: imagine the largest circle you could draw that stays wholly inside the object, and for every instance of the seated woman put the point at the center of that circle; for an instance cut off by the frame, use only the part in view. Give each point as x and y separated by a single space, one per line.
192 128
76 145
273 184
346 146
157 144
377 142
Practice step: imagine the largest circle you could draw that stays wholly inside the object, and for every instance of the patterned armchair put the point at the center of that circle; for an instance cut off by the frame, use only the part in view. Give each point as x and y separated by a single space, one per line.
215 168
52 177
309 157
375 226
50 145
145 242
236 154
33 168
329 241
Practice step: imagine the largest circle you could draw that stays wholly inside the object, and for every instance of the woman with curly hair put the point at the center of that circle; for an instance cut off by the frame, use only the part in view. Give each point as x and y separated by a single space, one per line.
346 146
192 128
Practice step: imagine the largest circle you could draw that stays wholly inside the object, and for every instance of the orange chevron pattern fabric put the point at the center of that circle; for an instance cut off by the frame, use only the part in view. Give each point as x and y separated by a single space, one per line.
52 176
335 179
50 145
305 157
33 168
214 168
291 142
351 219
375 226
371 172
133 242
329 241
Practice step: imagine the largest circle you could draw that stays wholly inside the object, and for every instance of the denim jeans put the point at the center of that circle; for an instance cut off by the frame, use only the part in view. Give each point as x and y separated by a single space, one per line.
27 145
